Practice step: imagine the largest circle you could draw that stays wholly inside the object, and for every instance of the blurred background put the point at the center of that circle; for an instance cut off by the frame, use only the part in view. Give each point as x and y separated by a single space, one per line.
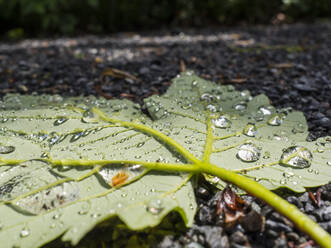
38 18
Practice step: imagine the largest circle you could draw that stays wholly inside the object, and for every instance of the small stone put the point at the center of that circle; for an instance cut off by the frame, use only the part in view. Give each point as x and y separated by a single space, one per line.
253 221
309 208
238 238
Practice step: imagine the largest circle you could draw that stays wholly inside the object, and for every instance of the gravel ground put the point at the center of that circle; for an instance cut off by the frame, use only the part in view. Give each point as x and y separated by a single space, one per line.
290 64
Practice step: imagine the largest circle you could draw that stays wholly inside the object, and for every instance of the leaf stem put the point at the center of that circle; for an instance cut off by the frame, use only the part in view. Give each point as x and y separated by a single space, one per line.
302 221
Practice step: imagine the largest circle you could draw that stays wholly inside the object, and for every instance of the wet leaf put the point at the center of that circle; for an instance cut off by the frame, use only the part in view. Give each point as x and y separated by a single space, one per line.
68 164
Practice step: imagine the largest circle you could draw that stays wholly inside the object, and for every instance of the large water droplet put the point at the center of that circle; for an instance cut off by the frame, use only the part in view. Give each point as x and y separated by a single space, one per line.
24 232
300 128
49 199
328 163
296 157
89 117
258 115
6 149
60 120
248 153
276 120
250 130
266 110
155 206
222 122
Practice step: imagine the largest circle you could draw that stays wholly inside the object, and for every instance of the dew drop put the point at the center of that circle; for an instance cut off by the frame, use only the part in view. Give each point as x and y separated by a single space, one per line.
24 232
283 181
266 155
60 120
266 110
206 97
155 206
211 108
328 163
194 83
76 136
140 144
275 120
240 106
85 208
320 150
6 149
296 157
250 130
258 116
248 153
317 172
222 122
300 128
186 106
89 117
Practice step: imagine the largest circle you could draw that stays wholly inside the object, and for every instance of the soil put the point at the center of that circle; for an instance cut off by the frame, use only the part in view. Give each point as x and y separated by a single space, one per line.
290 64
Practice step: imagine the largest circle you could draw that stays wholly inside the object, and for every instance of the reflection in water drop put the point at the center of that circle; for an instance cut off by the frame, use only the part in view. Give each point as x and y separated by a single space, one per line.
258 115
76 136
222 122
211 108
276 120
206 97
85 208
300 128
296 157
248 153
250 130
155 206
89 117
6 149
60 120
48 199
240 106
266 110
24 232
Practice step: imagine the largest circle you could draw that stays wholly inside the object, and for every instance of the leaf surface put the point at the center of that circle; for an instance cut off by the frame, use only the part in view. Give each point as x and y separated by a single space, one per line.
69 164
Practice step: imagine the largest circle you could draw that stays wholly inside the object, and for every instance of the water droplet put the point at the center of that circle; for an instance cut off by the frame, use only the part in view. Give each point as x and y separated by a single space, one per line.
194 83
250 130
276 120
222 122
206 97
140 144
288 174
124 195
310 170
211 108
266 110
24 232
320 150
266 155
60 120
328 163
240 106
300 128
85 208
296 157
3 120
155 206
6 149
258 115
54 138
76 136
283 181
135 167
186 106
317 172
248 153
89 117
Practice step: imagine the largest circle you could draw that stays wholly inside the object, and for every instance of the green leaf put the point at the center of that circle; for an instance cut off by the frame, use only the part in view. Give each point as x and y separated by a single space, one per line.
69 164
